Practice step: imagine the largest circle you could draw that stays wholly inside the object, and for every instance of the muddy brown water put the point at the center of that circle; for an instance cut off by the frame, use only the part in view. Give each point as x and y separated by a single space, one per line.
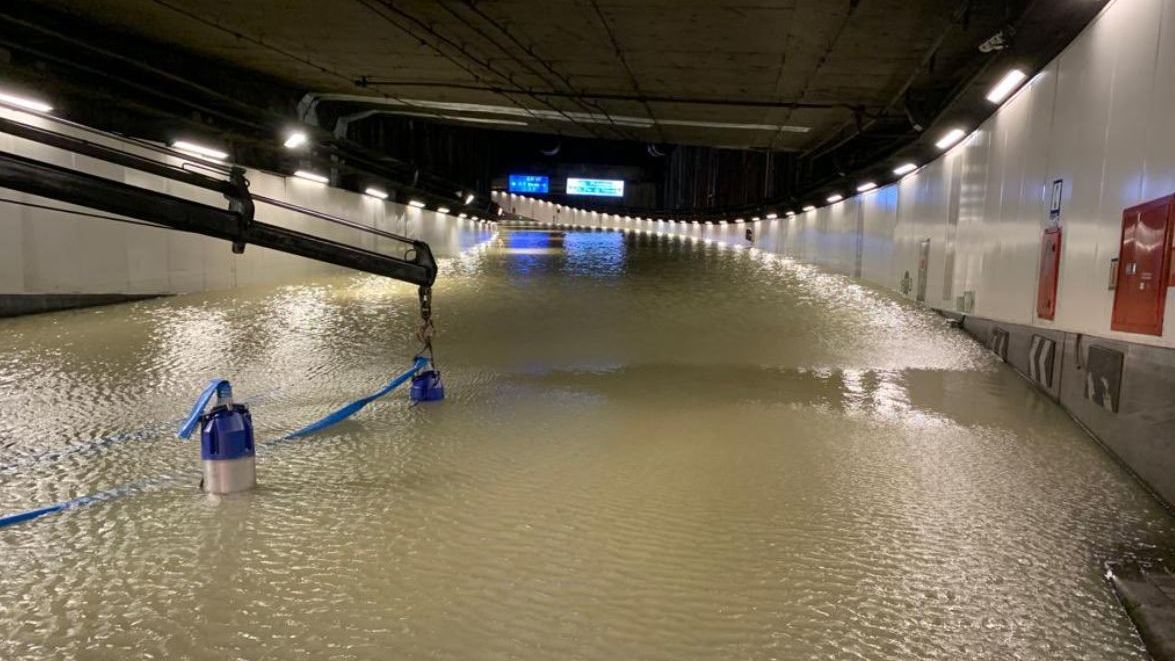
651 448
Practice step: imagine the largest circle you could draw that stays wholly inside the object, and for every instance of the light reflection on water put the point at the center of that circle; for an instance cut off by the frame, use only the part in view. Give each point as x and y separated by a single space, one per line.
651 449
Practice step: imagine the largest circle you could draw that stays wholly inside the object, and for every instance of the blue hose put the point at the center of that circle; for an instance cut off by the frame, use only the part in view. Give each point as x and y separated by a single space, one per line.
132 487
101 496
218 387
351 409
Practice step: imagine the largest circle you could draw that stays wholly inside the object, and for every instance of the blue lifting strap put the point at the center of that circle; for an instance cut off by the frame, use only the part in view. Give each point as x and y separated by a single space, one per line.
353 408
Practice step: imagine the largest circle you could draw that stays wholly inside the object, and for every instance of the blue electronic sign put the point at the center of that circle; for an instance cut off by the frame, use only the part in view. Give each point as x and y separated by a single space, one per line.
529 183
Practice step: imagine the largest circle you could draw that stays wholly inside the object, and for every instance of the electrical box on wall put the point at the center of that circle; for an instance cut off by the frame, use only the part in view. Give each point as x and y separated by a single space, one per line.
1050 265
1144 256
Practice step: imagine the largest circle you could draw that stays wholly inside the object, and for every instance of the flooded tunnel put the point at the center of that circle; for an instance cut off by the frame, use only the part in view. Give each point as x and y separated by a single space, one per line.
512 330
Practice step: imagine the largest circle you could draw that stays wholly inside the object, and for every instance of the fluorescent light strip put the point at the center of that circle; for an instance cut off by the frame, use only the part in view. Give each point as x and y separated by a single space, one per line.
442 209
905 168
295 140
420 205
24 102
311 176
199 150
950 138
835 197
791 214
375 192
772 216
809 208
868 185
469 198
1007 85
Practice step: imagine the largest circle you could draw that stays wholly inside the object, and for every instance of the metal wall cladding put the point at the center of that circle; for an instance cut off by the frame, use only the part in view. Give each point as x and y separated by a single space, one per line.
1103 377
1042 352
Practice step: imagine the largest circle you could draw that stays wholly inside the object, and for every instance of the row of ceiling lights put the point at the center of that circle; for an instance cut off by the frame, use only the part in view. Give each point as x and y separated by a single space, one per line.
294 140
998 94
560 207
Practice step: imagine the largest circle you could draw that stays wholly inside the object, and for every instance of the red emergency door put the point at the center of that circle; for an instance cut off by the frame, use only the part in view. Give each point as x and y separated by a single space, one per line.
1143 260
1050 265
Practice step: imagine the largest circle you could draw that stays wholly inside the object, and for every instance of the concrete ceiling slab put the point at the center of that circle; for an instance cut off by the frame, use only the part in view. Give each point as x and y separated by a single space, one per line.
560 66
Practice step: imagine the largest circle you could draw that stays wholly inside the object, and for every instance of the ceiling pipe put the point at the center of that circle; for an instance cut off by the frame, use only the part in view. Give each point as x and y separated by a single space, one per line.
636 98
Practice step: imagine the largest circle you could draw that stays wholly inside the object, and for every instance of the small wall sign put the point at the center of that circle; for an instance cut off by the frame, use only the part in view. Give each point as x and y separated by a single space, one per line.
1055 202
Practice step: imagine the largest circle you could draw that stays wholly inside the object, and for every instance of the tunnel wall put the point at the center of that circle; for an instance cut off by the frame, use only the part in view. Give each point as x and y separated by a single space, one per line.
52 259
1098 118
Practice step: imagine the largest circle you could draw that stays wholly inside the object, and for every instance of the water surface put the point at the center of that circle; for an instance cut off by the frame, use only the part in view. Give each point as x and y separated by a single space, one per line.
652 448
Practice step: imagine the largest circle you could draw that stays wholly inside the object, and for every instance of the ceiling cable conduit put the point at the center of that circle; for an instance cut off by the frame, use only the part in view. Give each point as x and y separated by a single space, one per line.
624 63
856 129
523 62
472 5
382 8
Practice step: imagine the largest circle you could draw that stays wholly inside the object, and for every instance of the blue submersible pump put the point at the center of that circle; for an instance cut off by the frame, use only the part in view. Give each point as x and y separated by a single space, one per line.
226 440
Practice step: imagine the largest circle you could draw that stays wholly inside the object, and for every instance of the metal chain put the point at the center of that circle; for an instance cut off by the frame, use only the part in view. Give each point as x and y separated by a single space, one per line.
426 330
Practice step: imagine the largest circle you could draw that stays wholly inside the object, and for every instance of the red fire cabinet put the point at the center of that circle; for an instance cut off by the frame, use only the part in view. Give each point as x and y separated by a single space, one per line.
1140 297
1050 264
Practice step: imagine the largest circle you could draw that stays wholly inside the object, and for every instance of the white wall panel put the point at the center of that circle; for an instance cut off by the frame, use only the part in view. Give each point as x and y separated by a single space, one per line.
58 252
1102 106
1159 145
879 208
1015 210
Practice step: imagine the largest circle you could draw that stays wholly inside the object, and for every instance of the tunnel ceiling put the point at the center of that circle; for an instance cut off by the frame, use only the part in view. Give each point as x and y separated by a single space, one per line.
787 74
806 96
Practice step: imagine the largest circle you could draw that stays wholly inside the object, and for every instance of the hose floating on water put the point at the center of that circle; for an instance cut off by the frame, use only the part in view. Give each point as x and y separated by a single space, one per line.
134 487
352 408
102 496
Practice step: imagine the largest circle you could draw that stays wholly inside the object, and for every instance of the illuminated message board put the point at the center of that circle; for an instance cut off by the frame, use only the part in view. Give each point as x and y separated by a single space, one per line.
597 187
529 183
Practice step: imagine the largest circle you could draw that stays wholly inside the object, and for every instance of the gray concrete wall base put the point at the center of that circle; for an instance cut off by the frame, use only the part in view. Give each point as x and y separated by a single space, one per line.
14 305
1148 594
1138 428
